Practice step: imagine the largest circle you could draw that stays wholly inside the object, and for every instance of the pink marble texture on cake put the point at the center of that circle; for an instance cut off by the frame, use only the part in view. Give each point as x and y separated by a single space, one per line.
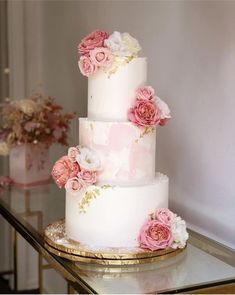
127 158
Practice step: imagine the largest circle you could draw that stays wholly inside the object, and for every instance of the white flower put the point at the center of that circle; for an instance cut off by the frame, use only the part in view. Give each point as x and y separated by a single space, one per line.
179 233
88 159
4 149
131 44
165 111
122 45
27 106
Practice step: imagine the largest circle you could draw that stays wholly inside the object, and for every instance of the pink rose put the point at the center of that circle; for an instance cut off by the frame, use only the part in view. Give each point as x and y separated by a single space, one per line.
86 66
163 121
64 169
155 235
91 41
101 56
74 185
165 216
72 153
89 177
144 113
145 93
30 126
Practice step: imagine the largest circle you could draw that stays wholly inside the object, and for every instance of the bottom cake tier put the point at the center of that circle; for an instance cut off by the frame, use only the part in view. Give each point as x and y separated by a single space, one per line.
112 216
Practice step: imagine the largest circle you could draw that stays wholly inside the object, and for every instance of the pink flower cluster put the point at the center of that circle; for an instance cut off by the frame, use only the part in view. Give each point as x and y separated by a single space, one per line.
148 109
69 173
156 233
93 53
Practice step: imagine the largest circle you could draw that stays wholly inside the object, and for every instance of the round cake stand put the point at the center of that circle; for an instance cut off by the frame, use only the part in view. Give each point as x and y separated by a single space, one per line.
58 243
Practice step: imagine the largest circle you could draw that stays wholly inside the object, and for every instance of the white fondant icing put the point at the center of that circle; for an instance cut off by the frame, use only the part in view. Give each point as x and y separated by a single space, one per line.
114 218
126 157
110 97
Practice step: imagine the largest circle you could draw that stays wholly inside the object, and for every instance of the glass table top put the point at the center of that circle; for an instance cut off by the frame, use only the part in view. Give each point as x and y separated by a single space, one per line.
194 268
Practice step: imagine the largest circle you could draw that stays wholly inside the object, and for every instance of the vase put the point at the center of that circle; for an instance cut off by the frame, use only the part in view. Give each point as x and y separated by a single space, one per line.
29 165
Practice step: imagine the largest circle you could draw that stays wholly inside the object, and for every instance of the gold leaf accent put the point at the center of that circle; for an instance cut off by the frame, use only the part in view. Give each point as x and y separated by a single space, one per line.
118 62
152 216
91 126
146 131
105 186
89 195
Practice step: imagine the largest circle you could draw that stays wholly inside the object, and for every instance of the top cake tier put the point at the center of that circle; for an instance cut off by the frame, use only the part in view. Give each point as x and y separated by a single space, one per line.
117 89
111 95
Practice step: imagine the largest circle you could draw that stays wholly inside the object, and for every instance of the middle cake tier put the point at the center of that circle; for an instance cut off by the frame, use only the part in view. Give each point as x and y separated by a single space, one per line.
127 153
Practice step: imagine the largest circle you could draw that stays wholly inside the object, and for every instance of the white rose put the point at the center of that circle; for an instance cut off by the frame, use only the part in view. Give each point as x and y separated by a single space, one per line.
122 44
4 149
88 160
27 106
179 233
165 111
131 44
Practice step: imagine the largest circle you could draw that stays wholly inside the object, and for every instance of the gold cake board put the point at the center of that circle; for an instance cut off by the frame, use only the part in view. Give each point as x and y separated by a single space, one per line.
57 243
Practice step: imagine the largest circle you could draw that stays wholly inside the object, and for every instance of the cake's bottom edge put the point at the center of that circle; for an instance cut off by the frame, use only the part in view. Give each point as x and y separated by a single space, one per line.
58 243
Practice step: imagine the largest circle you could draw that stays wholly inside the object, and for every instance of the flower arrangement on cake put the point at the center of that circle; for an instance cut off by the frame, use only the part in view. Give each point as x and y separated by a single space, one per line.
33 120
148 109
99 50
76 170
163 230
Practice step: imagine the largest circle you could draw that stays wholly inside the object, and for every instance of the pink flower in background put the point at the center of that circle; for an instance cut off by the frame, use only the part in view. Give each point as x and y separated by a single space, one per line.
91 41
144 113
89 177
72 153
165 216
101 56
86 66
64 169
145 93
154 236
58 132
74 185
30 126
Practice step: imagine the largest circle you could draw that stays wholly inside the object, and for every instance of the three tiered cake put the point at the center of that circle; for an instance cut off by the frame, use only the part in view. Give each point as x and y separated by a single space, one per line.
114 197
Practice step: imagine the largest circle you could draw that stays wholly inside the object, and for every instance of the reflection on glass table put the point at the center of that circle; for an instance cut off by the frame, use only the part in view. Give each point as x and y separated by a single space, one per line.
30 211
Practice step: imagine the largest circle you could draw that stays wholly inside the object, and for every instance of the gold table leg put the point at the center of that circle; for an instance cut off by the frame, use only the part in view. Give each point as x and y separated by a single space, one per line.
15 264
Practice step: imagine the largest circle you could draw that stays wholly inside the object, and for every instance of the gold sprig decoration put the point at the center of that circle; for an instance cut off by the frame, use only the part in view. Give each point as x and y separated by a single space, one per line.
92 193
147 130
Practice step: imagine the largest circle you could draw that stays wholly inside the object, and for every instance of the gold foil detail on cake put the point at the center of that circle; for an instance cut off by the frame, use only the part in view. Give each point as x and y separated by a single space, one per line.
152 216
118 62
92 193
91 126
146 131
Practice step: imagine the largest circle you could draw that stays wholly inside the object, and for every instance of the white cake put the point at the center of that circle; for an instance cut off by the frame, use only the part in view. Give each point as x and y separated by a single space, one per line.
114 197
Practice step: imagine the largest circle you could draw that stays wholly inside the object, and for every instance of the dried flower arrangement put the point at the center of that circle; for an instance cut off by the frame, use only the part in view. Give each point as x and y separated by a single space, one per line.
37 119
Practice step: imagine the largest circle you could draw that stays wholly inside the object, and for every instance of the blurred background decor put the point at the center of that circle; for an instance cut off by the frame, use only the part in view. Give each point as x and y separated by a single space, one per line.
28 128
